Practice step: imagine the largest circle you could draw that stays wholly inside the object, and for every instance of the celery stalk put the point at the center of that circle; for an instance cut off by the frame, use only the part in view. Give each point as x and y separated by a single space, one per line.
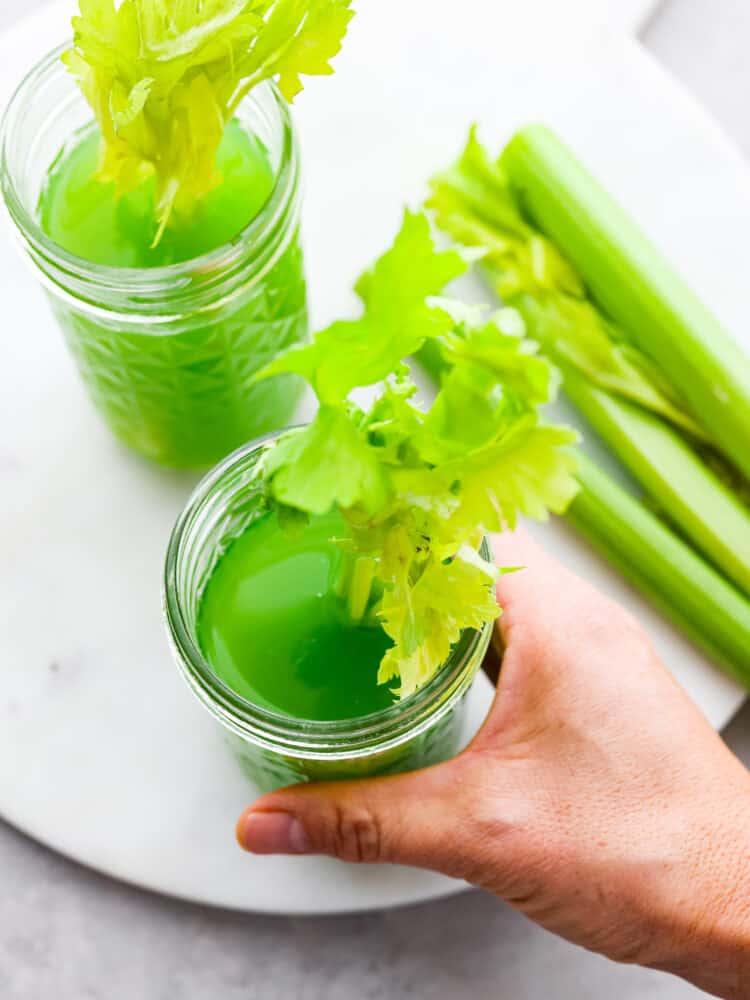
360 587
636 287
693 497
708 510
665 569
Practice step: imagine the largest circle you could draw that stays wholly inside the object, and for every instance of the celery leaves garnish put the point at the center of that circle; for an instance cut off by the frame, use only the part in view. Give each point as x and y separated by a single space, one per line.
418 489
164 77
398 317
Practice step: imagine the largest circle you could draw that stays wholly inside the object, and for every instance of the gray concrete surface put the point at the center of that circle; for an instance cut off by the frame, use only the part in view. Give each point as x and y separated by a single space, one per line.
71 934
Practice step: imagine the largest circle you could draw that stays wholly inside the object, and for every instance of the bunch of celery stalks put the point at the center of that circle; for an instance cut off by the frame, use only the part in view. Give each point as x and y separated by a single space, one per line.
656 376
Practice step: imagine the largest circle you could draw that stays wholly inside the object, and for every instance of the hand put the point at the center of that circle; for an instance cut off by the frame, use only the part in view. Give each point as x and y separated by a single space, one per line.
595 799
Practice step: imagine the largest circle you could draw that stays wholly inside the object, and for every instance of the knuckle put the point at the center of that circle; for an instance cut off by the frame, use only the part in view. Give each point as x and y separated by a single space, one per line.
355 835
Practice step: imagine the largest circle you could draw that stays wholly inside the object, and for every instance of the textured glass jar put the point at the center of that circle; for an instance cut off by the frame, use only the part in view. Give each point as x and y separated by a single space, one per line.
167 353
273 749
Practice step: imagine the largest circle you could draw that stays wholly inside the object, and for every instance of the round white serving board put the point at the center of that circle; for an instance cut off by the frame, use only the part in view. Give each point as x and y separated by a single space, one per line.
103 754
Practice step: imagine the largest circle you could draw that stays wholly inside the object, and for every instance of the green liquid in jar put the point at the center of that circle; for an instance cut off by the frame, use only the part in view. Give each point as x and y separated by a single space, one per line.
274 628
178 393
87 219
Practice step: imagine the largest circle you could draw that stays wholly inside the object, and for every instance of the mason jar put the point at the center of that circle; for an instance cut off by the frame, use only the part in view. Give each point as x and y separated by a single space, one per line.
168 353
274 749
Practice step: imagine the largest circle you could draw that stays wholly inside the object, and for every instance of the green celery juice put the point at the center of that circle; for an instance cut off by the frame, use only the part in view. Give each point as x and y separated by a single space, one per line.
274 627
178 391
86 218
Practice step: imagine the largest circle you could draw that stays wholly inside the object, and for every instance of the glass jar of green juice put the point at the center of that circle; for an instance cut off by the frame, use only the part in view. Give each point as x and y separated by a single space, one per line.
276 748
166 337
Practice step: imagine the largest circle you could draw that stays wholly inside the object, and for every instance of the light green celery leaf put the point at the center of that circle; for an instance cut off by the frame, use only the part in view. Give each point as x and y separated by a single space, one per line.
416 669
397 318
528 472
494 379
466 415
124 112
510 360
426 619
441 582
395 291
171 30
326 464
396 613
164 77
424 489
573 332
507 320
300 38
394 420
473 203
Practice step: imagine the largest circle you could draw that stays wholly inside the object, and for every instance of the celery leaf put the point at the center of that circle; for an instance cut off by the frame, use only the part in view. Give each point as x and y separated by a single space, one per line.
328 463
397 318
164 79
418 489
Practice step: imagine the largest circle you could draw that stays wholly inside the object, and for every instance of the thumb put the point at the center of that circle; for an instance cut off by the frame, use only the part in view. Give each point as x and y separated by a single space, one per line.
416 819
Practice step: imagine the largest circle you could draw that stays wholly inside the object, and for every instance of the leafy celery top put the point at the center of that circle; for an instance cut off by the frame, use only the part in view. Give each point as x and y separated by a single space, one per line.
418 489
474 203
164 77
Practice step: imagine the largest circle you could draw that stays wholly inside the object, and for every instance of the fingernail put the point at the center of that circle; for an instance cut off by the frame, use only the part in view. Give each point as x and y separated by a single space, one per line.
272 833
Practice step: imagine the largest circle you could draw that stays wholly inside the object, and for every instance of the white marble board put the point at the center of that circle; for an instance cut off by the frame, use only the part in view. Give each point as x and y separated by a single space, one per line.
103 754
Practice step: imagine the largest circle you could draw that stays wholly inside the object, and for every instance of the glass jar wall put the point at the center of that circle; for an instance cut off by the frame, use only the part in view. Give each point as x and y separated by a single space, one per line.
167 352
274 749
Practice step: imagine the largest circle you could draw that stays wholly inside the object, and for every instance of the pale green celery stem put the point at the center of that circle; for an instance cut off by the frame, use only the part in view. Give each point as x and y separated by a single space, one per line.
636 286
555 340
691 495
665 569
343 578
360 587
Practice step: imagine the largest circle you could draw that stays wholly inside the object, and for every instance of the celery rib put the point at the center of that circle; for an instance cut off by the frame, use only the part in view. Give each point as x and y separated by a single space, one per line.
684 587
635 285
673 476
360 587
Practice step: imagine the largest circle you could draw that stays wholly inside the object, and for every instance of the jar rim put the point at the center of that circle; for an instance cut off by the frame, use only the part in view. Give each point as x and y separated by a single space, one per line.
276 731
142 281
